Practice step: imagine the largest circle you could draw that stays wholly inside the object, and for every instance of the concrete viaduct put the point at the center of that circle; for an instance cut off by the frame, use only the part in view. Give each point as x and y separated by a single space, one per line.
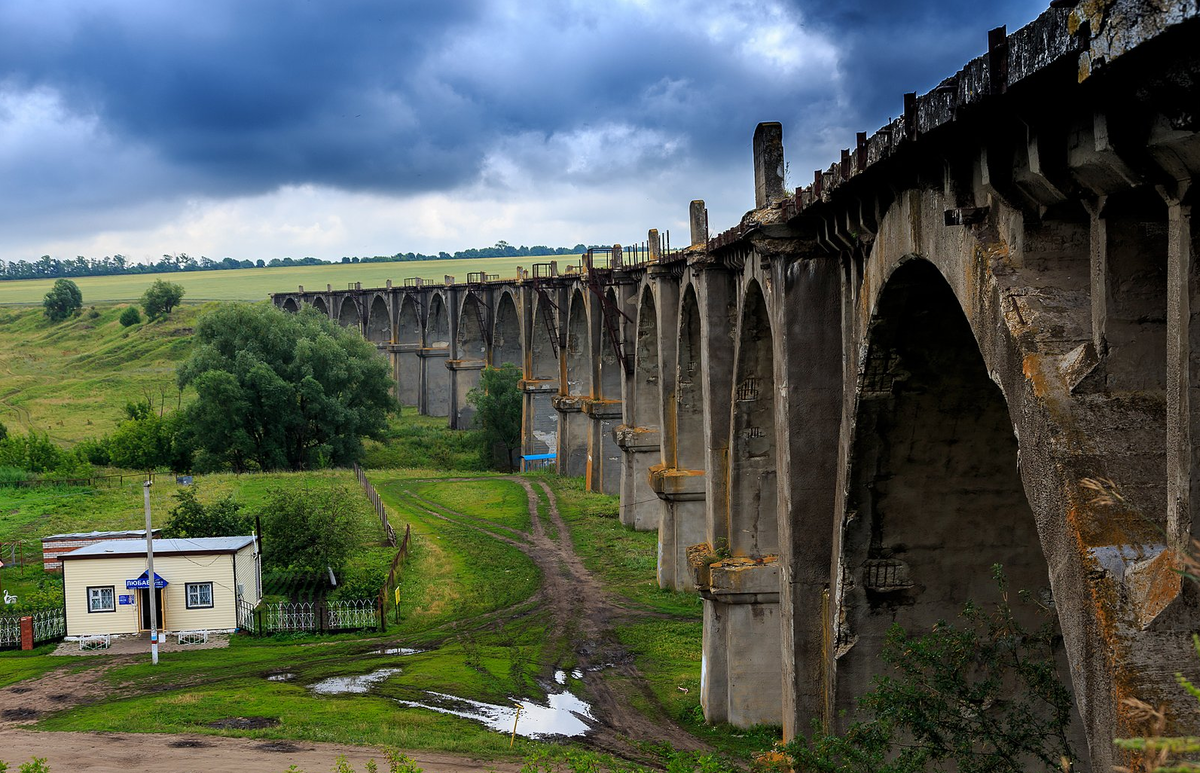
969 341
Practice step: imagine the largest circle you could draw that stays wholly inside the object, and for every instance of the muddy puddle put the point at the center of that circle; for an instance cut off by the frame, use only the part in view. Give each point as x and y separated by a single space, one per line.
396 651
352 685
563 714
287 677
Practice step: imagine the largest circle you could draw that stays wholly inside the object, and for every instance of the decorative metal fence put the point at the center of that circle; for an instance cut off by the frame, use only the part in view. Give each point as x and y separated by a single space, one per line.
309 616
10 632
48 624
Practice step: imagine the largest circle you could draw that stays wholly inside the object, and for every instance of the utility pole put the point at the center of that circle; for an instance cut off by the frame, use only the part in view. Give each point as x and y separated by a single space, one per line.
151 579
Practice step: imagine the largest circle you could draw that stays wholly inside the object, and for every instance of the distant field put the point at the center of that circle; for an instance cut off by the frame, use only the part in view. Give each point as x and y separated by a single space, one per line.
253 284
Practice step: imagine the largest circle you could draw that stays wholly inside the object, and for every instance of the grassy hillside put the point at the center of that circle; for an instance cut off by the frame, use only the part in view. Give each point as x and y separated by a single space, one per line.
73 379
253 284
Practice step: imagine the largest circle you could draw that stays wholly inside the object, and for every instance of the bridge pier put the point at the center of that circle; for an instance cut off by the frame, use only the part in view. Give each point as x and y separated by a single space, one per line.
682 524
540 421
740 681
573 431
434 399
605 459
640 508
464 376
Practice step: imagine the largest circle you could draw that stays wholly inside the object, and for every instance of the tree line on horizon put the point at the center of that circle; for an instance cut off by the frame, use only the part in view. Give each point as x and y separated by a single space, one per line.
47 267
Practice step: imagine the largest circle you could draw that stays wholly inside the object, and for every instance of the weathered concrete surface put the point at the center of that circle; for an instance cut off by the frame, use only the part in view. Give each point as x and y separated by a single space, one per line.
973 339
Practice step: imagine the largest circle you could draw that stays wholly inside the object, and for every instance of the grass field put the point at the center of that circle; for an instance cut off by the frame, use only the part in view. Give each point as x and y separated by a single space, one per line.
73 379
253 284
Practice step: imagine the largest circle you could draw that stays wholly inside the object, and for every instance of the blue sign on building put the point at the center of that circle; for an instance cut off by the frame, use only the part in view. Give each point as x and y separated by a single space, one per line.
144 582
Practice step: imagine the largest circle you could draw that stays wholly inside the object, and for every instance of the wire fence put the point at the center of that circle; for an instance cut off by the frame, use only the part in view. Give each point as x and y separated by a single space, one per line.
377 503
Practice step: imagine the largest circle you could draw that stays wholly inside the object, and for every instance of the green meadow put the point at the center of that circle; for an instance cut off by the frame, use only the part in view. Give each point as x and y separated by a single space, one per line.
255 284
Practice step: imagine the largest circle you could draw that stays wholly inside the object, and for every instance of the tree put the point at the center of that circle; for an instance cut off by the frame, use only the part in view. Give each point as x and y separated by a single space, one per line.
64 300
497 402
160 297
192 518
147 440
130 316
282 391
309 529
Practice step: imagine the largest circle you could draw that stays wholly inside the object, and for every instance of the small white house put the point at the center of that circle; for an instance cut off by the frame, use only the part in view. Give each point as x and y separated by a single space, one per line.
199 583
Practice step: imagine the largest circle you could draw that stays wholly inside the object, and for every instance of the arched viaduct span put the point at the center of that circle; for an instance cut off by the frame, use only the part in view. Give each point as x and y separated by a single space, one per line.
842 412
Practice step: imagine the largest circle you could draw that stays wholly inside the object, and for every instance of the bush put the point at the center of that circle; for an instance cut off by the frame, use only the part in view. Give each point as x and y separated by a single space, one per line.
148 440
64 300
95 451
160 298
130 316
3 431
191 518
980 697
12 476
36 453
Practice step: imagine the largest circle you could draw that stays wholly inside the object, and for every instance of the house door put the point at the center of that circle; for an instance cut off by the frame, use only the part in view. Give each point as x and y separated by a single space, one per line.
144 603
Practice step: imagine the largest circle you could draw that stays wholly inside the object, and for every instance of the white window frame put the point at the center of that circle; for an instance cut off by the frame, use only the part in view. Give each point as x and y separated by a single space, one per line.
96 593
187 593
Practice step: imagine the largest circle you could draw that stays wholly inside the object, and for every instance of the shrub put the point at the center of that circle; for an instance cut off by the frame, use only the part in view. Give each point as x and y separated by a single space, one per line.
978 697
12 476
131 316
160 298
62 301
147 440
3 431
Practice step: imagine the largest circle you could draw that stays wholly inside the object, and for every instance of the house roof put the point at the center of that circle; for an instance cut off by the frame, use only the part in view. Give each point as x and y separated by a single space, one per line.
137 547
107 535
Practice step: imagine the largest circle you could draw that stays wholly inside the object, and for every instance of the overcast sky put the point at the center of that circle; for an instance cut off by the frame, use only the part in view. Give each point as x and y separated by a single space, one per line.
268 128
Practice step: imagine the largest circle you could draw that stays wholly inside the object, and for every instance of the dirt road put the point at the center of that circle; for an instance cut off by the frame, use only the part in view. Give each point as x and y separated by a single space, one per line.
155 753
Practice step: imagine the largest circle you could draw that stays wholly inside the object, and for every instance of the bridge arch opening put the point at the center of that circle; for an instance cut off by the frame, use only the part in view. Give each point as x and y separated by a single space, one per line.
753 492
579 348
320 305
408 323
506 336
611 368
379 321
689 387
543 358
472 344
646 396
438 327
291 306
935 496
407 362
348 315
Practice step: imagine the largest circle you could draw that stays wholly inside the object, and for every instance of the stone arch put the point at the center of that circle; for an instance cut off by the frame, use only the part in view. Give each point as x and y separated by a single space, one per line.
689 387
471 342
646 379
543 361
348 315
753 493
578 359
435 357
320 305
409 338
291 306
934 491
506 333
379 321
437 327
611 368
408 323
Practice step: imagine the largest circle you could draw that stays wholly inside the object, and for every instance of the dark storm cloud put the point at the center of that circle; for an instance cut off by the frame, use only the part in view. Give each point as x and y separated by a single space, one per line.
226 97
890 47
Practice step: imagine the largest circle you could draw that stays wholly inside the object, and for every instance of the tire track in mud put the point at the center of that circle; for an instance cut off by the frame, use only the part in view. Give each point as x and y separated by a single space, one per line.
583 617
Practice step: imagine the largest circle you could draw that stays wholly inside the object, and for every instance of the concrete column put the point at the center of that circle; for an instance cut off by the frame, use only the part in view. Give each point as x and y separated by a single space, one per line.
681 519
698 220
574 428
407 373
642 447
464 376
768 164
539 419
718 309
808 361
605 458
435 381
1183 376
